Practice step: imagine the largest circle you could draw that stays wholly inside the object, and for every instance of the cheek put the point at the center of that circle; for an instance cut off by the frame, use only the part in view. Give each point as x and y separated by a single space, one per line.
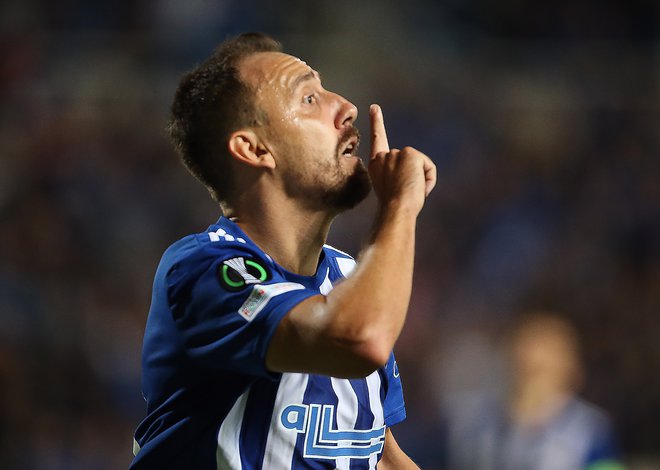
310 137
302 134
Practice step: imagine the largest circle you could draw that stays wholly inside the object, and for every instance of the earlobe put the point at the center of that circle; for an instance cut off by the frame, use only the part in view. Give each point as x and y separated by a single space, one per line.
246 147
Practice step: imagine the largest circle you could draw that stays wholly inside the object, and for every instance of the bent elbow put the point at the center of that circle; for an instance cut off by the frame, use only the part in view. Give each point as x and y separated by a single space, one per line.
358 367
376 353
368 355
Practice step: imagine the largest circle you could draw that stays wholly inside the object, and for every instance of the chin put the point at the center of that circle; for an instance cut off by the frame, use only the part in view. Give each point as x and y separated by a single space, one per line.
352 192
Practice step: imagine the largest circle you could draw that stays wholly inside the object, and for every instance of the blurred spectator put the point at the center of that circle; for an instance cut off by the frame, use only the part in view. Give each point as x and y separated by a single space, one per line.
539 423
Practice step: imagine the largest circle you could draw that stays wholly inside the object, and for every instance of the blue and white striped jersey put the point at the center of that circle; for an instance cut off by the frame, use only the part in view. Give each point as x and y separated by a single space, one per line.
211 403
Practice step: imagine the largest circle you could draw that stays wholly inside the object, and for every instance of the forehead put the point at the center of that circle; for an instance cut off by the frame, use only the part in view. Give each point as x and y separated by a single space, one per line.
273 69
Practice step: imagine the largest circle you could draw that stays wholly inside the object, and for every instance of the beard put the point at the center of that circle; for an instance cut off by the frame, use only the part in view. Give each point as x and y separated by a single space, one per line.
328 186
350 192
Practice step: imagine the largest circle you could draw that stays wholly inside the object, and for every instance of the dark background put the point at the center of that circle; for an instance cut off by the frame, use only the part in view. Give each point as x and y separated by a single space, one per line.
543 118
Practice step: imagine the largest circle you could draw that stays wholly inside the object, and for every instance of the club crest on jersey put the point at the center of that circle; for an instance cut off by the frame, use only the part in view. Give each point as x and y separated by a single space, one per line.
237 273
322 441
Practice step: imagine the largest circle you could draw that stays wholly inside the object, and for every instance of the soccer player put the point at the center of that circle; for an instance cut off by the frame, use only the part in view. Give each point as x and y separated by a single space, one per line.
264 347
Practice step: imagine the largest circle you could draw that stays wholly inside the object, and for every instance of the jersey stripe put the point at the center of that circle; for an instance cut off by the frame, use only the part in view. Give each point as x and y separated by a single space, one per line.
257 419
280 444
338 251
374 386
345 265
326 286
347 412
319 390
228 453
364 418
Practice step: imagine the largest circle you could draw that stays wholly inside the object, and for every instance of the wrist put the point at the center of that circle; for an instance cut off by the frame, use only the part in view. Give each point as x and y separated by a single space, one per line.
395 217
400 208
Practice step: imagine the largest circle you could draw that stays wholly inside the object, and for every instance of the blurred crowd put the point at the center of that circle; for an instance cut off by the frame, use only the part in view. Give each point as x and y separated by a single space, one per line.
543 119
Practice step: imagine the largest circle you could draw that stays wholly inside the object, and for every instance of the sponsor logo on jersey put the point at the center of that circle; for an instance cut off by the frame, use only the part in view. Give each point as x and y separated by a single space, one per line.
237 273
322 441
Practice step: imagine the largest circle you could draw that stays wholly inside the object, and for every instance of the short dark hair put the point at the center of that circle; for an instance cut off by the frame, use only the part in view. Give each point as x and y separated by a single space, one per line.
210 103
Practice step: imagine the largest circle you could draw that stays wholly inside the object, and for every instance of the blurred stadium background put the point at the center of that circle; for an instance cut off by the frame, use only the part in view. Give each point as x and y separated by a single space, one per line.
543 118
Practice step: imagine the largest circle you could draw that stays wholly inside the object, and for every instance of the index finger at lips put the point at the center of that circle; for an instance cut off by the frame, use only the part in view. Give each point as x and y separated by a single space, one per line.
378 135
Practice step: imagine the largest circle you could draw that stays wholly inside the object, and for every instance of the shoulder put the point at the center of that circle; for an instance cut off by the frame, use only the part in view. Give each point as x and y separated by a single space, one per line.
592 425
197 247
343 261
202 252
588 417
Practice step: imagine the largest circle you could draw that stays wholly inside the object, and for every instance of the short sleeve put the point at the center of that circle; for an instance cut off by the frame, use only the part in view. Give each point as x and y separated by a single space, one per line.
394 408
227 303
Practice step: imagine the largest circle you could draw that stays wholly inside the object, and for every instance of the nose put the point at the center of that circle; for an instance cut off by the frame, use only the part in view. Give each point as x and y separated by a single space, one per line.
346 114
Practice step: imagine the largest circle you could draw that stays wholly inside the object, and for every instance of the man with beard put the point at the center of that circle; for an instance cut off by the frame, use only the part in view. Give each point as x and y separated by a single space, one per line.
257 353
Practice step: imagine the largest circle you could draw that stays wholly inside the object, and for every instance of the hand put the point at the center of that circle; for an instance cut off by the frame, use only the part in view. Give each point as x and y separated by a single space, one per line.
405 176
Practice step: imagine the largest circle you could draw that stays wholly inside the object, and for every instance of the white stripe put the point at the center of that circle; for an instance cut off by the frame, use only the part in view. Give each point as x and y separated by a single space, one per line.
228 454
281 442
345 265
326 286
373 384
338 251
136 447
347 412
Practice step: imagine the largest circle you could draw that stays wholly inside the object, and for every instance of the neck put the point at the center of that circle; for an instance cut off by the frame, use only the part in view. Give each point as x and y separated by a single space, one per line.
292 235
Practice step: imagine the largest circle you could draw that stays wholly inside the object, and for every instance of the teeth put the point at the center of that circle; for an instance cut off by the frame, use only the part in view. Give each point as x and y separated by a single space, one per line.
349 148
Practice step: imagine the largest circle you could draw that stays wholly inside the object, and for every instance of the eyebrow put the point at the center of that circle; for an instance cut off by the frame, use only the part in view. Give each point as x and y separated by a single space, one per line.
311 75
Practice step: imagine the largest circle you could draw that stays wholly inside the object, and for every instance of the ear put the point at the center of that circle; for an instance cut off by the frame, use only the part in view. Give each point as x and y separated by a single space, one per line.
246 147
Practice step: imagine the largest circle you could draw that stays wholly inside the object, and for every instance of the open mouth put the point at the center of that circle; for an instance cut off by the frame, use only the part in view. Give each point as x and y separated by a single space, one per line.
349 148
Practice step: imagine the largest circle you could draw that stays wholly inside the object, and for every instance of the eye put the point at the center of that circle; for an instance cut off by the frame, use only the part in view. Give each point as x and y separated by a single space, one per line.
309 99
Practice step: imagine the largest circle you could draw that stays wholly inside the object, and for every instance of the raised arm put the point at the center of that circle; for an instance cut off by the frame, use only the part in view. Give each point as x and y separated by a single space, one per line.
351 331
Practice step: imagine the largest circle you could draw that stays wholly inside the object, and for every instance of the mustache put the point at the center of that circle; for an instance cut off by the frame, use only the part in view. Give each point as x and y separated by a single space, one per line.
349 133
